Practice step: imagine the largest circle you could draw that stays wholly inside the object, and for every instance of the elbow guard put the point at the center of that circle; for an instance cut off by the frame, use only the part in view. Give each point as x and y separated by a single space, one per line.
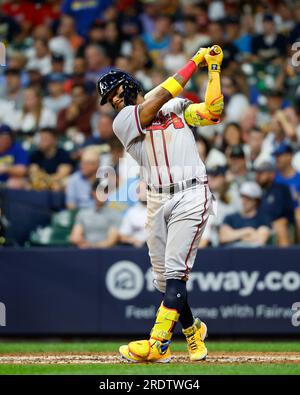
199 115
216 106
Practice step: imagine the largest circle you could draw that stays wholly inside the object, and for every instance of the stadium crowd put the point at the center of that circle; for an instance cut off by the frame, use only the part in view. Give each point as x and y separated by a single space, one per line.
54 135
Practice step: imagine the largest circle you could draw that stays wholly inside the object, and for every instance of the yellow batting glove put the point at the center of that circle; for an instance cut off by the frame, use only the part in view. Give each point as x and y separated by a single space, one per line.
214 58
199 57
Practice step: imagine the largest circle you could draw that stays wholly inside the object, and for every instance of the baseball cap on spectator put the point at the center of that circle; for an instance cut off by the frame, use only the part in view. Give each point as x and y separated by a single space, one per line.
266 166
5 129
216 171
251 189
12 70
268 18
57 57
33 69
282 148
231 20
56 77
274 93
237 152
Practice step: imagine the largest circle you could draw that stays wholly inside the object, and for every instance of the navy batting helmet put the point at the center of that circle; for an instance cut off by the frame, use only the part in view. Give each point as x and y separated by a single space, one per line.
114 78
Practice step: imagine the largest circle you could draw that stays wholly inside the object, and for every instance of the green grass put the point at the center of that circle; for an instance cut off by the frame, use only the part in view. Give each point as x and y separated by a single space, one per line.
40 347
147 369
170 369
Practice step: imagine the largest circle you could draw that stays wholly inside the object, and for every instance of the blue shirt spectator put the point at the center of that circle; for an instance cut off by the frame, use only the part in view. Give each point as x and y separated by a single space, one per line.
277 202
276 199
159 40
13 158
250 228
238 221
293 183
79 186
78 191
84 12
286 174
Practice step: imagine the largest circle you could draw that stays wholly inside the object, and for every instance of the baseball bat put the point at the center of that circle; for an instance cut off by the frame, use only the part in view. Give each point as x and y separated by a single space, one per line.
215 50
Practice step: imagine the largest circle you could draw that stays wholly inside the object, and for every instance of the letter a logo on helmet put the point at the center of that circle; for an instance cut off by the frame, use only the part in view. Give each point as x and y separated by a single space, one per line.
102 87
114 78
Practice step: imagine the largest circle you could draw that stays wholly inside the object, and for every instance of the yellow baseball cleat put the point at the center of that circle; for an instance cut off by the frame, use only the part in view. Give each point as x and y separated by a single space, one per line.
195 336
143 351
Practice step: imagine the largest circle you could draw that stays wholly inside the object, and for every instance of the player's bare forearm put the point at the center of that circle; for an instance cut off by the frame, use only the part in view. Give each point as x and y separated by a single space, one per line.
150 107
229 235
14 171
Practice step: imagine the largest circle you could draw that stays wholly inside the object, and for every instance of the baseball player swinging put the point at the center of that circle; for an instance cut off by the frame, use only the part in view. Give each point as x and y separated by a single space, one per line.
155 130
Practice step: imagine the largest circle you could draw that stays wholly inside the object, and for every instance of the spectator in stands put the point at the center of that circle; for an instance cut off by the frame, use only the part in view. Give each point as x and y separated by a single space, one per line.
9 28
49 164
294 35
268 120
96 35
67 30
251 227
79 113
61 47
276 202
97 62
79 185
57 64
254 149
13 159
39 57
287 175
175 59
130 23
236 101
148 15
159 40
132 230
239 32
78 75
85 14
203 146
269 46
232 136
193 39
103 132
231 52
97 226
35 78
237 169
123 176
141 62
22 11
11 93
34 114
57 99
228 203
113 42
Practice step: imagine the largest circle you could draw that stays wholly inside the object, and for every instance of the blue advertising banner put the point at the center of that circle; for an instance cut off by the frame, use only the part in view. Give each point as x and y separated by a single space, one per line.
94 292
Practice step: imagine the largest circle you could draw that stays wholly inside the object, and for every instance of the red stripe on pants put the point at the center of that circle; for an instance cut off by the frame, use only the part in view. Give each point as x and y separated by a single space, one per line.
197 232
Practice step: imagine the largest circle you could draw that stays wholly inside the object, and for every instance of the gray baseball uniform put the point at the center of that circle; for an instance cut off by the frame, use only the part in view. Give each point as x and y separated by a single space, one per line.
167 153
